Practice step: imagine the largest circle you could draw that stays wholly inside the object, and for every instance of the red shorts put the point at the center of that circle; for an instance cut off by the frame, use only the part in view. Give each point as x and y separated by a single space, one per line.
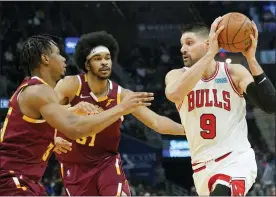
106 179
14 184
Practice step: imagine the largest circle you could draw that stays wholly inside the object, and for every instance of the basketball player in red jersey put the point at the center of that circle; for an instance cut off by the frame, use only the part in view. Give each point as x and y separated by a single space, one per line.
94 167
209 97
27 136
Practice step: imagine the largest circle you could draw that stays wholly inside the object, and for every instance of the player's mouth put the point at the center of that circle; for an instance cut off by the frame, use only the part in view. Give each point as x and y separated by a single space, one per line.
185 58
106 69
64 68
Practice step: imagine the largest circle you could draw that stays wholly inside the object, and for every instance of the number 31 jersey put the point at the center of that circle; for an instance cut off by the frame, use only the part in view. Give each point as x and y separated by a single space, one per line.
213 115
94 149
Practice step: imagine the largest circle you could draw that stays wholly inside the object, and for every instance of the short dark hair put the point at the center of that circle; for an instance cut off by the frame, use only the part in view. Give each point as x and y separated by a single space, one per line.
88 41
199 28
33 48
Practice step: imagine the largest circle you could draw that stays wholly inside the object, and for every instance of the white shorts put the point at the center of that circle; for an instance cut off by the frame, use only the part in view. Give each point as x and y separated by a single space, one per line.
237 170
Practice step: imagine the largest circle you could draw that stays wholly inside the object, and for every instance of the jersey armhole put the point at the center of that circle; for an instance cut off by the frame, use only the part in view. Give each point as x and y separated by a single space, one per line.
119 92
80 85
234 87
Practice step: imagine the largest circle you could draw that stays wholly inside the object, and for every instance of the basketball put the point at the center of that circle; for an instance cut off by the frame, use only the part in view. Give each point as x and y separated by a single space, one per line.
235 37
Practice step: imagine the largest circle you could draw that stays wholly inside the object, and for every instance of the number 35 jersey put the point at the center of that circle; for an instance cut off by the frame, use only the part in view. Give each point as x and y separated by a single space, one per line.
94 149
213 115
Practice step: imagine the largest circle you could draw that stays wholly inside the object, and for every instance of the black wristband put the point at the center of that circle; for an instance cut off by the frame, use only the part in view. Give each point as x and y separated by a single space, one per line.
259 78
262 93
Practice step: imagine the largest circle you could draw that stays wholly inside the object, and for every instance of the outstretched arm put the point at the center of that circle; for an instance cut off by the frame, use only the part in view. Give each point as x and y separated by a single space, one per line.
161 124
43 100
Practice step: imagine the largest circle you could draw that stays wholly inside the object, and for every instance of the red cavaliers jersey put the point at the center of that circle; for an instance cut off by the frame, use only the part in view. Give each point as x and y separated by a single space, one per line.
25 143
104 144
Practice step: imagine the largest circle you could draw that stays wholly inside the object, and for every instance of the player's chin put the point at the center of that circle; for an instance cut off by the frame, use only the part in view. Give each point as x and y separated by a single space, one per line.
105 75
187 63
62 76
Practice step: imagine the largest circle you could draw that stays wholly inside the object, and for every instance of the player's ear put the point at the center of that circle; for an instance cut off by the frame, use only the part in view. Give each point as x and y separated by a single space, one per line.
87 67
45 59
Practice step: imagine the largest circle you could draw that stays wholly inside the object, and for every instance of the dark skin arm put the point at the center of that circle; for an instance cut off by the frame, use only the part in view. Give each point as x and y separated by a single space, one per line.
42 100
160 124
156 122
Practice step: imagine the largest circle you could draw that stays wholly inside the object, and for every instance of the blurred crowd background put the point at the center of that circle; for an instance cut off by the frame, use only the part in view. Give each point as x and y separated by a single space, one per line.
148 34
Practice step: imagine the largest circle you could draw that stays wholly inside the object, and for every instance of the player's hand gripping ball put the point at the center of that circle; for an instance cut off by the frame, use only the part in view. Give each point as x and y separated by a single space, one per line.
235 37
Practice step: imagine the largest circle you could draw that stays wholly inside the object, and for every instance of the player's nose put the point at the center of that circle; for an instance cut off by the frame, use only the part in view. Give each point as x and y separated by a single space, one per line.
104 62
63 59
183 49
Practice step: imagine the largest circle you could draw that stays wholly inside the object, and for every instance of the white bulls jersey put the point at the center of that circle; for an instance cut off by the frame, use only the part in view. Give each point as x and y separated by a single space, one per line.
213 115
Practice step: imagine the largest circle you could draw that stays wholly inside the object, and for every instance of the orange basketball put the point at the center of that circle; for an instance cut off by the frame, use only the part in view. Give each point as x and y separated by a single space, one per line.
235 37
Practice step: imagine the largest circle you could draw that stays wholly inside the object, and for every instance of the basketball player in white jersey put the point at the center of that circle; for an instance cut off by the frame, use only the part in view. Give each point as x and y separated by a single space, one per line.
209 98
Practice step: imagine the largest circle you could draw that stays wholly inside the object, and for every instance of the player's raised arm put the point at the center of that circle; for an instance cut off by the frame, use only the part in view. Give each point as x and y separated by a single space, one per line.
178 88
257 86
43 99
161 124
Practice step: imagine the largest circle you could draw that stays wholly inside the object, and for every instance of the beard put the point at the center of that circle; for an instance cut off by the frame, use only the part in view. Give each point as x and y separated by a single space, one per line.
99 76
189 63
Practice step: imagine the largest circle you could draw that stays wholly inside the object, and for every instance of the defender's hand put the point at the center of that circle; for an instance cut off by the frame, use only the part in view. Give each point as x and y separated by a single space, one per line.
135 99
62 145
84 109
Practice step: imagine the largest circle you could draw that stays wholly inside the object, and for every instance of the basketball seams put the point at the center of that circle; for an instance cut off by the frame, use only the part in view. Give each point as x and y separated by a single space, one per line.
227 31
229 35
238 31
235 42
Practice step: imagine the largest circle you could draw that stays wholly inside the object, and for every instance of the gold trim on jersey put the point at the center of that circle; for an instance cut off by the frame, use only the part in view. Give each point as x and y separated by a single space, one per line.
119 91
119 94
41 80
102 99
85 77
117 167
32 120
2 133
19 89
80 86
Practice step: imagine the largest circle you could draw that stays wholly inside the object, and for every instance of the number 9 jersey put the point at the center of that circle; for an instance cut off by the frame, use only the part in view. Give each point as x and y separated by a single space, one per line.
213 115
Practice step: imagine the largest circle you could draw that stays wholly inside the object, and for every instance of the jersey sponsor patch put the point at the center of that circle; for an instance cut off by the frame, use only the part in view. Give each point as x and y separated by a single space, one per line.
221 80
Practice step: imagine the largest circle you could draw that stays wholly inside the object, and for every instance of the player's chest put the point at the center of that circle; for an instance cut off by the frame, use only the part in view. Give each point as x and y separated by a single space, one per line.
209 95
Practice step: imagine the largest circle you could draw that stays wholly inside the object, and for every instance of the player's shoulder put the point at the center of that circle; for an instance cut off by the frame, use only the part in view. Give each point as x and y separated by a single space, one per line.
39 94
69 79
173 74
236 69
68 84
